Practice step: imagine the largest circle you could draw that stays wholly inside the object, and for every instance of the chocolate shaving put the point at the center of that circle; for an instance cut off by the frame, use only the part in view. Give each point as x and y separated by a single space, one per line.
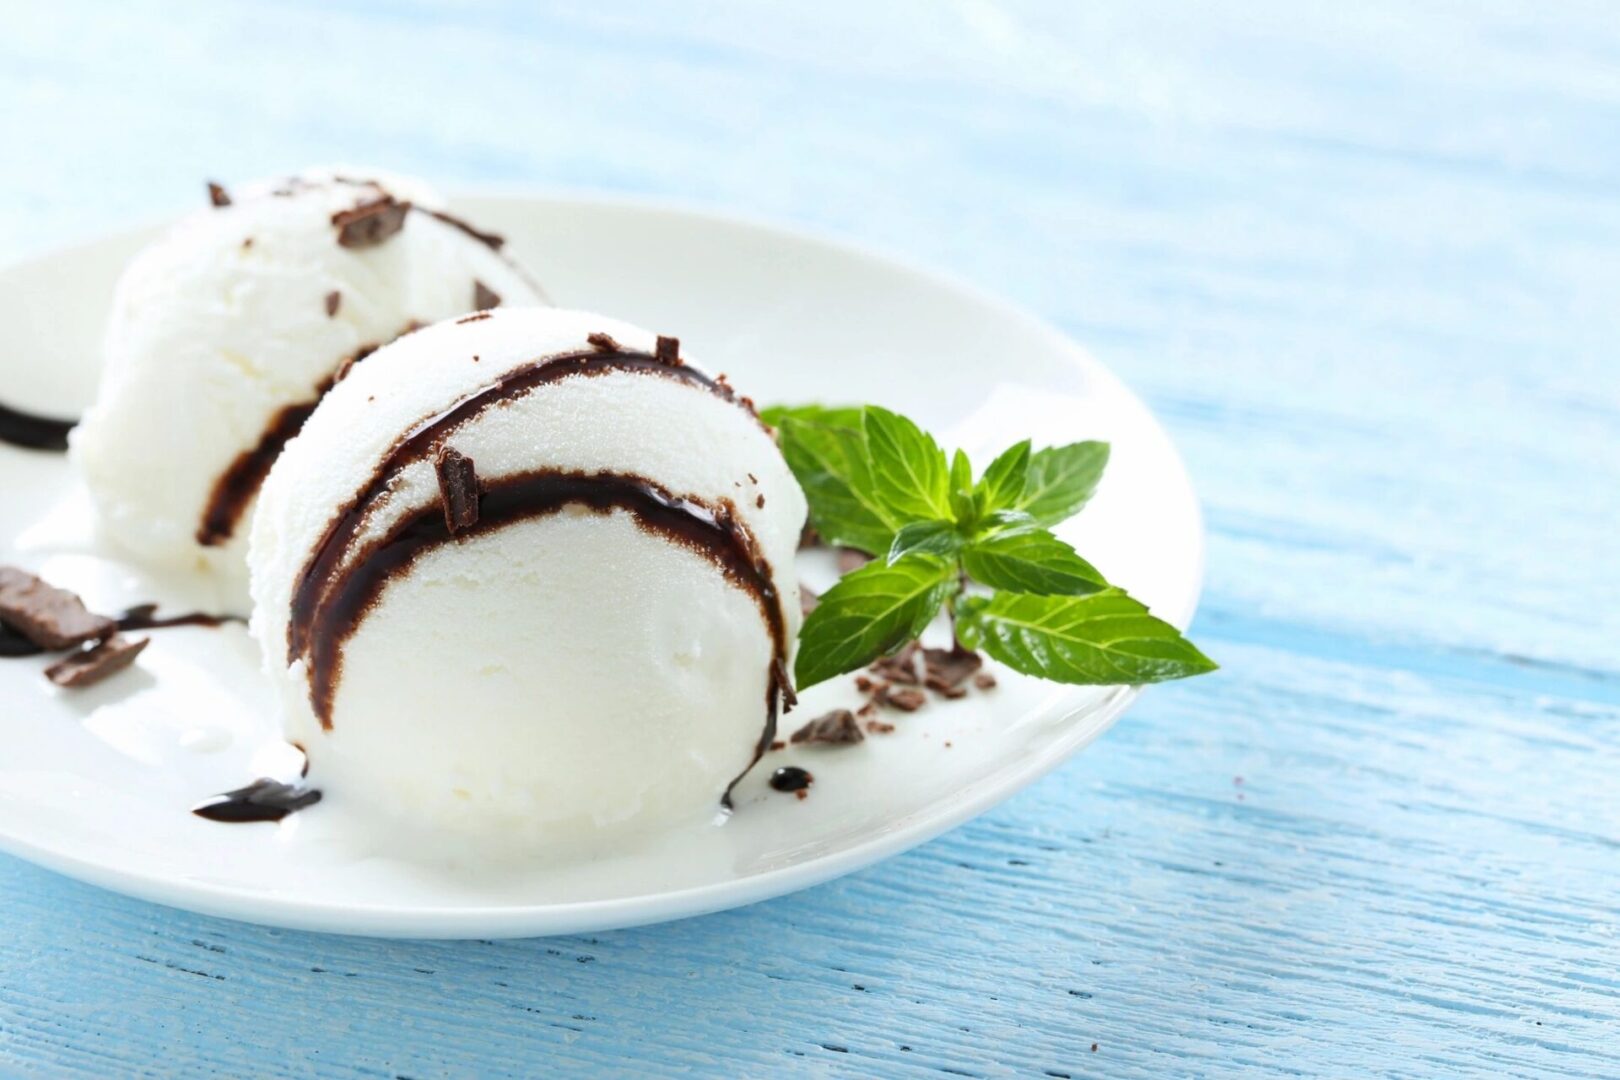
333 300
906 700
89 666
477 316
485 297
371 222
493 241
945 670
604 342
850 560
217 195
458 489
899 668
49 617
668 350
837 728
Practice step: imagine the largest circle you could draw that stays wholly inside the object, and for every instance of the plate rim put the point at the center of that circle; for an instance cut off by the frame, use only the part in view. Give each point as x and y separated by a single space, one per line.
463 921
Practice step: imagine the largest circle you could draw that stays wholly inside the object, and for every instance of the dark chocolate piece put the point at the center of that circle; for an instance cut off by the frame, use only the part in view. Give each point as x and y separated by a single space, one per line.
668 350
792 778
89 666
899 668
458 489
371 222
605 342
262 800
837 728
49 617
945 670
485 297
217 195
334 300
905 699
33 432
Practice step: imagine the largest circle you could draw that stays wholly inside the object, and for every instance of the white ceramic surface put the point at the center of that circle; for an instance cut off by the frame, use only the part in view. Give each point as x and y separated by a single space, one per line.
96 784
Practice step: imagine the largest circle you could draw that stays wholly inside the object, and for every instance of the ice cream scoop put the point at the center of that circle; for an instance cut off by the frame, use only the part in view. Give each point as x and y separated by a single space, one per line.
529 574
227 330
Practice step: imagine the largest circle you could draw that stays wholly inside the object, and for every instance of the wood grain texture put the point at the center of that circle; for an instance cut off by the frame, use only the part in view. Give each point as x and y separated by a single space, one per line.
1362 262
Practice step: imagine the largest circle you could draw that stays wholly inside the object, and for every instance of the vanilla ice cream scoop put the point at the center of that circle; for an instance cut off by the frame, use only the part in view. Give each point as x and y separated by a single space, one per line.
529 574
227 330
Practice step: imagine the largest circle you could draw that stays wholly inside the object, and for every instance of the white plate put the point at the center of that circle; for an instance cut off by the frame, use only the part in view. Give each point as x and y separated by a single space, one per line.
96 784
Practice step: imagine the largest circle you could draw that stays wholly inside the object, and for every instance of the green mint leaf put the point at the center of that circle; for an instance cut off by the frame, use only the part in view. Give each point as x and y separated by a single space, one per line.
1103 639
925 538
1002 484
962 508
1061 479
1032 561
830 463
908 471
870 612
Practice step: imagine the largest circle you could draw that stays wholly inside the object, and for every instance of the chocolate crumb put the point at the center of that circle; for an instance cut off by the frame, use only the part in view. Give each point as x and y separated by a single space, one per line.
334 300
864 685
837 728
878 727
485 297
247 243
850 560
604 342
49 617
866 711
89 666
906 700
760 502
217 195
371 222
1093 1048
668 350
458 489
984 681
899 668
778 745
752 479
477 316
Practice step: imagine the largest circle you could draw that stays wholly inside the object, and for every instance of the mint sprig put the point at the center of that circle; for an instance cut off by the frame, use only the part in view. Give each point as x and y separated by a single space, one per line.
980 549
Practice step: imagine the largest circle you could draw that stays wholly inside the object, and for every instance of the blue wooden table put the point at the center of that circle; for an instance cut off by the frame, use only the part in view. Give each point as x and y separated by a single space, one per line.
1364 263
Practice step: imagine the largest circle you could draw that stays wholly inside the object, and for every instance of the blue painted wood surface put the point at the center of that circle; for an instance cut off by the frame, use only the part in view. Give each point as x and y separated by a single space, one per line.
1363 262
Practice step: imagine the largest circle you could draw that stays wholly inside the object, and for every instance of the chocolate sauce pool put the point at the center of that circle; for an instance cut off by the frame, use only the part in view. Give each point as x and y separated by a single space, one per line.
33 431
262 800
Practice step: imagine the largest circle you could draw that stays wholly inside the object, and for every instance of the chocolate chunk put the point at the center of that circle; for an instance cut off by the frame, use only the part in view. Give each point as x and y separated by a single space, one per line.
850 560
333 300
668 350
984 681
217 195
899 668
89 666
837 728
51 618
906 700
458 489
808 600
604 342
485 297
945 670
371 222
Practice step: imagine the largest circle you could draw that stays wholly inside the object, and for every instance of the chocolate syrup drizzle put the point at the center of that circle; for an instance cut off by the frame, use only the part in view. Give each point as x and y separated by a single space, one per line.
337 589
145 617
262 800
32 431
238 484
